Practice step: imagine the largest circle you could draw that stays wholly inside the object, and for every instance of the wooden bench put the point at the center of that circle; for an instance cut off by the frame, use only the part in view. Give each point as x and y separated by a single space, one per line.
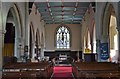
96 70
18 75
28 70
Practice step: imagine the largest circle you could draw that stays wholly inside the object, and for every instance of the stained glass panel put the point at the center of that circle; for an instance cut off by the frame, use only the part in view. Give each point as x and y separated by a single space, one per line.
63 38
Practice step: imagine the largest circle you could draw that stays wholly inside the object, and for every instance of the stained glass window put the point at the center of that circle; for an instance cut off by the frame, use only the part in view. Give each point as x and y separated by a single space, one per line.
63 38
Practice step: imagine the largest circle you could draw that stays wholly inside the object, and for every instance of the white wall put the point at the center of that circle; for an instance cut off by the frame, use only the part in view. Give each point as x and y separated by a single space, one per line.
50 36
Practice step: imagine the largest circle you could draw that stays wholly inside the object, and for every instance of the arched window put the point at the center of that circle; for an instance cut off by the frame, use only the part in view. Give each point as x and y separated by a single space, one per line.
63 38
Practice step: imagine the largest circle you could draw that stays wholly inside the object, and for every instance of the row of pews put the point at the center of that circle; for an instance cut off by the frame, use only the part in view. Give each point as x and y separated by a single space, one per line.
96 70
29 70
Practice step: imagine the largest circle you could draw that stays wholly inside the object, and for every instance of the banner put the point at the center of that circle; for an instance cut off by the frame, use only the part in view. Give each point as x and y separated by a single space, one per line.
104 54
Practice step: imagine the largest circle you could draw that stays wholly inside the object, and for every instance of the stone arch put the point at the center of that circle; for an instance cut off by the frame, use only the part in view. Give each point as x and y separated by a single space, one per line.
14 10
87 41
17 18
106 19
106 32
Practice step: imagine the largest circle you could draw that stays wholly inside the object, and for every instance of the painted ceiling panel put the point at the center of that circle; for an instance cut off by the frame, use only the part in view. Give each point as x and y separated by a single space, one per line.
68 8
69 4
62 12
56 9
54 4
78 16
43 9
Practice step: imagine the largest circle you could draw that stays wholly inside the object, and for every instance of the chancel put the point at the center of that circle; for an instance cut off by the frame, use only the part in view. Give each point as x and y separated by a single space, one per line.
62 39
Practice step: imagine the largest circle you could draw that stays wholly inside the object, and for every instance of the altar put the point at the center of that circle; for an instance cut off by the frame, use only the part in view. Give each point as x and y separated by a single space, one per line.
62 60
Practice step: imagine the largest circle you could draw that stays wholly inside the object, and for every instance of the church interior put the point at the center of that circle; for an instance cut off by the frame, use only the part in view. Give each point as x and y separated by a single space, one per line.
59 39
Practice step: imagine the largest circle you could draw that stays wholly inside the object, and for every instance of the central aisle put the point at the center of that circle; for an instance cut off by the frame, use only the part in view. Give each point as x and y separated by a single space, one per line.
62 72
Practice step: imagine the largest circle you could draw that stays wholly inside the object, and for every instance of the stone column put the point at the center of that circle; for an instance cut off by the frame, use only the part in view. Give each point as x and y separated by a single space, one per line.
27 31
78 56
119 46
42 51
94 46
91 43
18 46
98 49
33 50
1 46
42 39
1 39
118 28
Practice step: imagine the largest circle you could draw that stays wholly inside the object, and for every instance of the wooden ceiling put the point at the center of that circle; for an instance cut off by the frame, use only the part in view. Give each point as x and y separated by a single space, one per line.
63 12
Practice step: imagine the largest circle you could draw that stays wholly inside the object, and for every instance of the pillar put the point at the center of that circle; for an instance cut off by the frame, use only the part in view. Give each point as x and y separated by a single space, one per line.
78 56
33 50
118 28
1 40
42 39
91 43
27 31
42 51
17 48
1 45
118 45
98 49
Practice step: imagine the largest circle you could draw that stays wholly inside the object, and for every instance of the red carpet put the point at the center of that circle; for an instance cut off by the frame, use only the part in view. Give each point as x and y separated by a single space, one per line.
62 72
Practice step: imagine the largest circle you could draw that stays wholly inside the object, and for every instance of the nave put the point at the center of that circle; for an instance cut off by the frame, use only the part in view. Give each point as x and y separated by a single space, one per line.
59 39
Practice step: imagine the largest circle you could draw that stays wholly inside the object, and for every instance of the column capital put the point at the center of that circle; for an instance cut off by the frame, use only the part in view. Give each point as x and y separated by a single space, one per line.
2 31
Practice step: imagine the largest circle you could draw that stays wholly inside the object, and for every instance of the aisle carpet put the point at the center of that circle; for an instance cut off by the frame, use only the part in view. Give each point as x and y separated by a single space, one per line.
62 72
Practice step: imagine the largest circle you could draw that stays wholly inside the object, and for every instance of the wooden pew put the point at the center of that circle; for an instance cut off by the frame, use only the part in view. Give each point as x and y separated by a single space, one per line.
96 70
32 70
18 75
